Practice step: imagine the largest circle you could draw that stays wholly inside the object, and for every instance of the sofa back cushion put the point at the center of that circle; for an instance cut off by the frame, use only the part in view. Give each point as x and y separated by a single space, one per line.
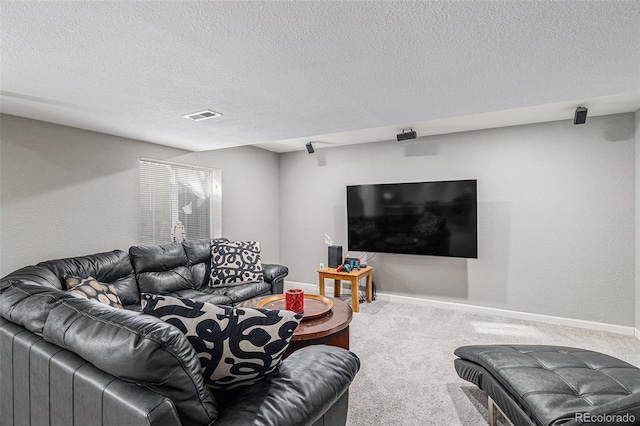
161 269
135 348
32 274
29 305
111 267
199 260
199 256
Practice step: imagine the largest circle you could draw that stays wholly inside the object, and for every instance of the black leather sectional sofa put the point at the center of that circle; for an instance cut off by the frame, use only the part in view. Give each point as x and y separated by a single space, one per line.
175 269
68 360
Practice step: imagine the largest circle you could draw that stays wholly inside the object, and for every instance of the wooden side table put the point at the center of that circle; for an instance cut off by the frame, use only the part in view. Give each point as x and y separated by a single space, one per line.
331 329
353 277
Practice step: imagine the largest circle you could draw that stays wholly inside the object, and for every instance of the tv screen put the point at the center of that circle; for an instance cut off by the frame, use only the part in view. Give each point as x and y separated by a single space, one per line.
427 218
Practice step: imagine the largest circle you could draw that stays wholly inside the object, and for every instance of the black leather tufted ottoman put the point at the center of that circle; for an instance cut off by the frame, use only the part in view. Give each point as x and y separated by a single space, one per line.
553 385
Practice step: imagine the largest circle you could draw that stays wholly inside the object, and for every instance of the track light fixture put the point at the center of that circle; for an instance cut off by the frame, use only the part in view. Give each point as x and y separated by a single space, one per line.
580 116
310 149
406 134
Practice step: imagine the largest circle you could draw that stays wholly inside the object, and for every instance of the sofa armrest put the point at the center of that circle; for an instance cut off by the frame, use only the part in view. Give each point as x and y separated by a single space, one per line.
274 274
39 380
135 348
307 384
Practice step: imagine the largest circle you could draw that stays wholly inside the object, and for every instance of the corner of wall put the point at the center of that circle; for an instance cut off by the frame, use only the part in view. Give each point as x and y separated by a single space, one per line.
2 274
637 222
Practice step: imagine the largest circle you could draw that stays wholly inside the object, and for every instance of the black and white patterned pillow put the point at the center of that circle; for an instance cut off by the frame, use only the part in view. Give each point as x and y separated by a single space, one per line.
92 289
236 346
235 261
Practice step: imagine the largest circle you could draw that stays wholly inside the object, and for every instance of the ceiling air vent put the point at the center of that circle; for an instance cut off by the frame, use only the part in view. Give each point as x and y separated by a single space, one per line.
202 115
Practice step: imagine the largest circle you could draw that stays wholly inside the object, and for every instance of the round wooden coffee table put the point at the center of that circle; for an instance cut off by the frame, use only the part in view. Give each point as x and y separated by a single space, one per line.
331 329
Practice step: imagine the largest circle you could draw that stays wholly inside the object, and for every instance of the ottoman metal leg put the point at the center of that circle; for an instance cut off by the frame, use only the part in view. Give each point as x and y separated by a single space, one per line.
493 413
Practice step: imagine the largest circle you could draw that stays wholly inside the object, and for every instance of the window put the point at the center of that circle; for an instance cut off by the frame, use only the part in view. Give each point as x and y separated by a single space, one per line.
178 202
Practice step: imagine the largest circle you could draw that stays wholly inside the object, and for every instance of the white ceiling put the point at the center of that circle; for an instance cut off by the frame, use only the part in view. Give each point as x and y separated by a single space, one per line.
285 73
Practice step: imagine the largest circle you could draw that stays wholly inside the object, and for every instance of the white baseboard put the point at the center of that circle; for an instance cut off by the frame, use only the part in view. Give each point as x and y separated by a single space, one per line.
549 319
313 288
307 288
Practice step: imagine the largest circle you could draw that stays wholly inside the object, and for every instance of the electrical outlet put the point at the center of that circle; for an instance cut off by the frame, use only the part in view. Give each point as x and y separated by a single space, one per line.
321 265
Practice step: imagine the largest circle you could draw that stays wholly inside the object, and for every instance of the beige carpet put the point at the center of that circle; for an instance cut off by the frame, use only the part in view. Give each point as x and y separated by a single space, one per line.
407 376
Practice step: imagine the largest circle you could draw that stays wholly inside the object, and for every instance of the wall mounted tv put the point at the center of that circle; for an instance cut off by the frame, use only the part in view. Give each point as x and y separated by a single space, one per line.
427 218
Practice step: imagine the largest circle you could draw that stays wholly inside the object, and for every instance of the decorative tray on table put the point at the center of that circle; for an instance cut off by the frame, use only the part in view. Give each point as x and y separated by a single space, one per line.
315 306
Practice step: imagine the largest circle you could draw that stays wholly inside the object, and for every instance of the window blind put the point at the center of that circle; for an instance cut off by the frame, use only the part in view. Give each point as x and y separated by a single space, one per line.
179 202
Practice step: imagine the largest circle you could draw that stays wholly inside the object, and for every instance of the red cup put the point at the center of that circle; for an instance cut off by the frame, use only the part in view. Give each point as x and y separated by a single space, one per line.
294 300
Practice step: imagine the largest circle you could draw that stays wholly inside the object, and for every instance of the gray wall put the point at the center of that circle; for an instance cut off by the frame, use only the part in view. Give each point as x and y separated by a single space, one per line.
69 192
556 207
556 215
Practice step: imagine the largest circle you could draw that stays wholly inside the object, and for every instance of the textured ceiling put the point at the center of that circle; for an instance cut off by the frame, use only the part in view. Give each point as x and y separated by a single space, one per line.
283 73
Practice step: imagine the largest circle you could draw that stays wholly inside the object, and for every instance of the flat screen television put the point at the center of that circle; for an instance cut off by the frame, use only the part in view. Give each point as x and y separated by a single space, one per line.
426 218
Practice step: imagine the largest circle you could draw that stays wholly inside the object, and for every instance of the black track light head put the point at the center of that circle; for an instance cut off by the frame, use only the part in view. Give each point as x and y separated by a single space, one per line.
580 116
310 149
406 134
